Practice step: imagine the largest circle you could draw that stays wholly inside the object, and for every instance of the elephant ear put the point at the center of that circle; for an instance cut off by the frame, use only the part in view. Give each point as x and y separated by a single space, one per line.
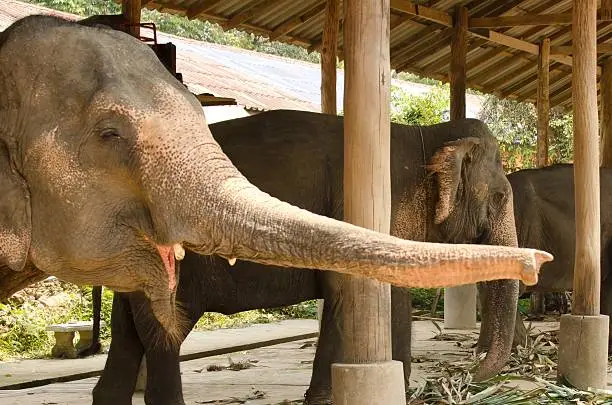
447 164
15 219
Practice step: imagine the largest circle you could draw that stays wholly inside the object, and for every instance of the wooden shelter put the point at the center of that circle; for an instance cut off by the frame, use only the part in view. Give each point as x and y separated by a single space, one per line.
550 52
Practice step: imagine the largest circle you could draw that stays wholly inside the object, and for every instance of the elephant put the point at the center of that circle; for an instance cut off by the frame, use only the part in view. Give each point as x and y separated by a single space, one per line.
108 171
447 185
544 213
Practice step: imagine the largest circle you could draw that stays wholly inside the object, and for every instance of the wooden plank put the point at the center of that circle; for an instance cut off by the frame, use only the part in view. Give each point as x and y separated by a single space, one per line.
567 50
506 40
292 23
367 183
201 7
257 9
543 103
328 57
457 74
606 113
207 100
606 9
587 274
520 20
424 12
131 10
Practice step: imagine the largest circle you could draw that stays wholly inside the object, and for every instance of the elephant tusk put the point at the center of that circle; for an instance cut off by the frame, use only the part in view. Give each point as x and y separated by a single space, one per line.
231 261
179 252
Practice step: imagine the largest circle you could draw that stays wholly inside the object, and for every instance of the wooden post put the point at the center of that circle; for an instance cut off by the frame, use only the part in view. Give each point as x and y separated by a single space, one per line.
131 11
606 113
583 345
584 87
367 374
328 58
457 74
459 302
543 103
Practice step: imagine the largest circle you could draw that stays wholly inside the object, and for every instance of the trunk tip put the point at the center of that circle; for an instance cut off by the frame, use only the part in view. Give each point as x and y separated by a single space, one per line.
531 270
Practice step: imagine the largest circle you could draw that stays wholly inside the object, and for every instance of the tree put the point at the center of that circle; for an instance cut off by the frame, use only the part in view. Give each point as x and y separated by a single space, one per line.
515 127
427 109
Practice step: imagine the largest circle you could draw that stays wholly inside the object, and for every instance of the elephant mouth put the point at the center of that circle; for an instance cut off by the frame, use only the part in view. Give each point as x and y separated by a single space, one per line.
169 256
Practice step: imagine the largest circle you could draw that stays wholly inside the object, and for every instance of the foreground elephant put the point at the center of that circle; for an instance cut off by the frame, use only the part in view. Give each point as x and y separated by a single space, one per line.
545 219
107 168
447 186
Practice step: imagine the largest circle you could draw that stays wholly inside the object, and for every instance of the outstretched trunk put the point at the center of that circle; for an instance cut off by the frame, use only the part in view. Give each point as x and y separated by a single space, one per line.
211 207
498 301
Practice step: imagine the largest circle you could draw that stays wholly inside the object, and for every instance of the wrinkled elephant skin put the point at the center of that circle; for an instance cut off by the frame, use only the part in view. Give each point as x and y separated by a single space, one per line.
108 168
450 188
544 209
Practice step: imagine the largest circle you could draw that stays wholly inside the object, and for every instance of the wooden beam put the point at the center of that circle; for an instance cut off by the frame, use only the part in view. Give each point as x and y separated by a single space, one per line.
520 20
457 74
587 273
424 12
292 23
328 57
290 39
256 9
567 49
131 11
606 9
543 103
606 113
200 8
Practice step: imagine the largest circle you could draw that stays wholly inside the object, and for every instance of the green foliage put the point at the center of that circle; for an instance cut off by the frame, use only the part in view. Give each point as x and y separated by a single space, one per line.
515 127
214 320
23 324
181 26
423 298
427 109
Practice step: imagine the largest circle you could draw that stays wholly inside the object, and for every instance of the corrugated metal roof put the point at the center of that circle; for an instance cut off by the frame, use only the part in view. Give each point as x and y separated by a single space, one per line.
418 44
257 81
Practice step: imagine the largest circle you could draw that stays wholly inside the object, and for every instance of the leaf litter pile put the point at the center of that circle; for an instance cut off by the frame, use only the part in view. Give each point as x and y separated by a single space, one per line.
532 365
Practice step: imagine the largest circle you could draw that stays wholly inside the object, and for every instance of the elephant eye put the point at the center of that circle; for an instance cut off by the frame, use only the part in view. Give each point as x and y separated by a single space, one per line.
498 199
109 133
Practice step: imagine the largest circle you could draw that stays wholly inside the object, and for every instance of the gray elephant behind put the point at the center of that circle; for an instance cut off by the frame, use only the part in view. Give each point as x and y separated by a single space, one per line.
448 185
544 211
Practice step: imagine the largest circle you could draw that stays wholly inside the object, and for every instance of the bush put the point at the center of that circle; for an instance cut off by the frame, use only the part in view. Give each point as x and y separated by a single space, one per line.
427 109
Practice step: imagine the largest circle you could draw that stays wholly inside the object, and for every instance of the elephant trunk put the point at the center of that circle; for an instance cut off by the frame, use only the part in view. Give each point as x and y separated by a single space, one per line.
499 299
234 219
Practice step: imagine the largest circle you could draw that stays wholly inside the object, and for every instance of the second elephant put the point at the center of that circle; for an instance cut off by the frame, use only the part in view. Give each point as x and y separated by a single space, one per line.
448 185
544 210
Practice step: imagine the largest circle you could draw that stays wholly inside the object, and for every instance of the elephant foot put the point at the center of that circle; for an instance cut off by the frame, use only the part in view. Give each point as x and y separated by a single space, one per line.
318 397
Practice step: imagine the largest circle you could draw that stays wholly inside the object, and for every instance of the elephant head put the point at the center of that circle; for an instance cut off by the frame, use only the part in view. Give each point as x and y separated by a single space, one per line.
475 205
108 169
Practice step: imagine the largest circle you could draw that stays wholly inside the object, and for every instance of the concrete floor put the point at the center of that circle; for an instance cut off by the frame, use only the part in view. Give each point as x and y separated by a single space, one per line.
281 372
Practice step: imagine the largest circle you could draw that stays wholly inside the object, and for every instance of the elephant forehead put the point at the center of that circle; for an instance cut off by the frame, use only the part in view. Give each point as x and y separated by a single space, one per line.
52 158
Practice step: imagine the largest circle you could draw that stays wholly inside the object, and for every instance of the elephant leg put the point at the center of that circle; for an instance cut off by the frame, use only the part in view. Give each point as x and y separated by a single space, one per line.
485 336
606 306
116 385
520 331
401 329
164 385
329 345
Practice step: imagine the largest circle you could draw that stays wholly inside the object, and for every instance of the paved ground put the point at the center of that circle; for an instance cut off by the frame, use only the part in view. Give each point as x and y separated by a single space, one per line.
279 373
